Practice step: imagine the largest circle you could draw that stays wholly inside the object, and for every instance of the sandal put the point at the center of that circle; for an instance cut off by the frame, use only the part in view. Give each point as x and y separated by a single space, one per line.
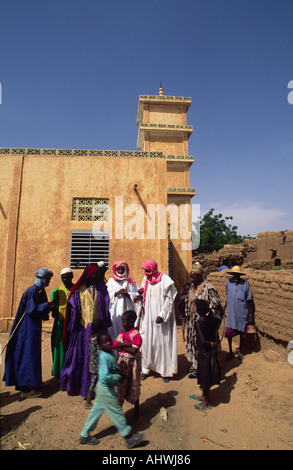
166 380
195 397
144 376
202 407
240 355
133 440
192 376
90 440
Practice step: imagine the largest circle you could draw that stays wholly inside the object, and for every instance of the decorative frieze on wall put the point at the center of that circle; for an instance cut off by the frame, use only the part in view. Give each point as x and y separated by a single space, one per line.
166 127
181 190
165 98
189 158
92 153
81 152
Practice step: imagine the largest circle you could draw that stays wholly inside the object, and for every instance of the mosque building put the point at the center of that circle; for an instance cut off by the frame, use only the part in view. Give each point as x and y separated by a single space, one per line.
62 207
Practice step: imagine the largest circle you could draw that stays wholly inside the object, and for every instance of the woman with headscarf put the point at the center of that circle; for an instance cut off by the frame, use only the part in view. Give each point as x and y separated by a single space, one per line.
122 292
203 290
23 364
158 325
87 301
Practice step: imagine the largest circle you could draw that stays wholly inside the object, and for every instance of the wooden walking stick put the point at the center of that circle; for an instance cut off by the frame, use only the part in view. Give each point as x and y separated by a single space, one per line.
18 323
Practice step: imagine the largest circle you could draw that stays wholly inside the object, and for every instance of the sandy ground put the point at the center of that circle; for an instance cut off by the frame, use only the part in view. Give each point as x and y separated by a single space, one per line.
252 409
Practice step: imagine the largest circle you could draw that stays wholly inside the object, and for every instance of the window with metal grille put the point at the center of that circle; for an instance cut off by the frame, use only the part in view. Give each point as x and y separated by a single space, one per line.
90 208
88 247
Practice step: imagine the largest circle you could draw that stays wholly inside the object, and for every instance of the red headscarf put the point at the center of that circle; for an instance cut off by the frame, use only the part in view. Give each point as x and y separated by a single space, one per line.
125 275
87 273
153 277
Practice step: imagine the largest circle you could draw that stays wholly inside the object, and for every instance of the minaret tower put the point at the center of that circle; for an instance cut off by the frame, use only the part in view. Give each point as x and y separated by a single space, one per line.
163 127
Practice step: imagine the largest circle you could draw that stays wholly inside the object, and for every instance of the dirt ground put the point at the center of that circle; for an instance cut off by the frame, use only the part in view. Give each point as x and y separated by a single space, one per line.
252 409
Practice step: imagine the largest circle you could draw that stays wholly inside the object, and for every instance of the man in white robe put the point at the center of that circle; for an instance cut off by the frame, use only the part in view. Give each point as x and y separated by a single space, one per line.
122 292
158 324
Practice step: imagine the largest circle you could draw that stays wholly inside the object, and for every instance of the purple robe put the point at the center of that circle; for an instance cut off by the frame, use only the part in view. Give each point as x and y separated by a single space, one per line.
75 375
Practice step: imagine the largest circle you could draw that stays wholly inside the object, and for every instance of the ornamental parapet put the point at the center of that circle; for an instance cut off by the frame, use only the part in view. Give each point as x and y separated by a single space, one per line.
145 128
82 152
95 153
169 127
184 99
181 191
180 159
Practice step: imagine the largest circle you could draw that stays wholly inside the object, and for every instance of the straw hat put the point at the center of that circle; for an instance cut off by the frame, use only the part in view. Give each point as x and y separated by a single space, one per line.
235 270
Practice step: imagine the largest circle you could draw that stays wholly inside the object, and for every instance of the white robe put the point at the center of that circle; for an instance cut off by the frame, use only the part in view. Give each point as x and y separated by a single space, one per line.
119 304
159 340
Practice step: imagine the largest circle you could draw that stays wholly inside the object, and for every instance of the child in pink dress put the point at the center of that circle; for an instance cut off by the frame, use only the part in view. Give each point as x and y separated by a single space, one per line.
128 344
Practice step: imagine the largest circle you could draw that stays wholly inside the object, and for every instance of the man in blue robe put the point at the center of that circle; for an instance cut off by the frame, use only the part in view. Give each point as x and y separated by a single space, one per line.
23 366
239 309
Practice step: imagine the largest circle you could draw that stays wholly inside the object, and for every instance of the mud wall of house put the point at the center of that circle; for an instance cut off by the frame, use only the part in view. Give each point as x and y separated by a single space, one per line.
273 300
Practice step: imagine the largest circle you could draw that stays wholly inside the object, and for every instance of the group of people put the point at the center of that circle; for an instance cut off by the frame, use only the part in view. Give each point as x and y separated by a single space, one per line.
203 314
107 337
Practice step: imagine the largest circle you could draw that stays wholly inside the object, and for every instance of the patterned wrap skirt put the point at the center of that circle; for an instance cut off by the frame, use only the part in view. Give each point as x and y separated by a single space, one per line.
128 387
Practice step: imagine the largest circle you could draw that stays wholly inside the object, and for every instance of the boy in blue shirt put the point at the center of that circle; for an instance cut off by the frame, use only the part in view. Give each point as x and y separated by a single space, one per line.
106 398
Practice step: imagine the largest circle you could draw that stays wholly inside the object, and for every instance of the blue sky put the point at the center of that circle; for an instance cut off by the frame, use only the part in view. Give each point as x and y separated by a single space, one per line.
71 72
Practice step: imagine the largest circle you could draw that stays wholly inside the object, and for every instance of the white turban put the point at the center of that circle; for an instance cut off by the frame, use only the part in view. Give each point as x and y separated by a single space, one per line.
65 271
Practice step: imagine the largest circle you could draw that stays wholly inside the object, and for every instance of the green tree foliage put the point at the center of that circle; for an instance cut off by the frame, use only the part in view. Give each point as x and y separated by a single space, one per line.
215 232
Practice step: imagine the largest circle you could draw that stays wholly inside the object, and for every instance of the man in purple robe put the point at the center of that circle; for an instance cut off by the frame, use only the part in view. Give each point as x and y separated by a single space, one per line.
88 300
23 367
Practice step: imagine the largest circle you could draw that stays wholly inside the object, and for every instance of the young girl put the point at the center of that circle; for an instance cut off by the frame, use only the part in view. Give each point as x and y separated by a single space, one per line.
106 398
208 369
94 355
128 344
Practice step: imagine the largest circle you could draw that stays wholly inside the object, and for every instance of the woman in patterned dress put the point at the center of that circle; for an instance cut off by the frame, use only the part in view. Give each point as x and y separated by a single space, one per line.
128 344
203 290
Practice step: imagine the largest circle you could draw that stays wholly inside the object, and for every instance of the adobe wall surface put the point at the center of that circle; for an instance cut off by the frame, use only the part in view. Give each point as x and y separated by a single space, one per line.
272 244
37 225
258 254
273 297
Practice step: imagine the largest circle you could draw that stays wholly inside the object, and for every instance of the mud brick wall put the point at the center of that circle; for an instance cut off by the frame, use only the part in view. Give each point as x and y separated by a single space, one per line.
281 243
273 298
